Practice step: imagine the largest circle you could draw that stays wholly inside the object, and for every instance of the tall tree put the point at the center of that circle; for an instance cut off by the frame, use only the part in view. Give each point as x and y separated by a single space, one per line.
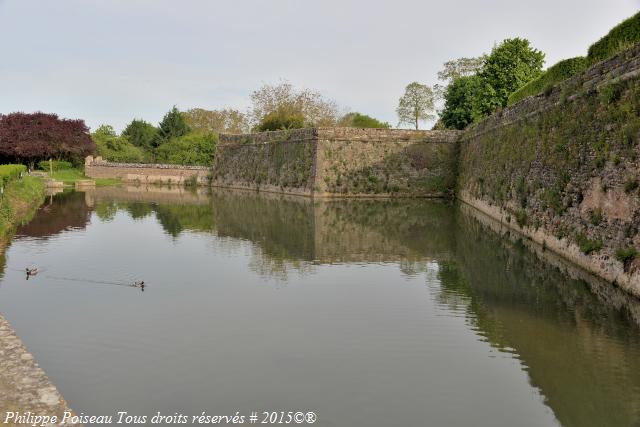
508 67
461 67
464 100
173 125
226 120
116 148
38 136
416 105
140 133
276 98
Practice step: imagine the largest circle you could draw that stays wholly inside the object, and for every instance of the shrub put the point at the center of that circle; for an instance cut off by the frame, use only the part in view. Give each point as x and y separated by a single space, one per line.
626 255
521 217
192 149
55 164
358 120
281 120
630 184
116 148
10 172
621 37
595 217
551 77
588 245
611 93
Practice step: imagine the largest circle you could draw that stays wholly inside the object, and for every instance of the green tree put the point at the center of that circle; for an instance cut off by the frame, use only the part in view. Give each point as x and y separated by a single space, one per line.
508 67
173 125
116 148
192 149
464 101
141 134
282 118
358 120
416 105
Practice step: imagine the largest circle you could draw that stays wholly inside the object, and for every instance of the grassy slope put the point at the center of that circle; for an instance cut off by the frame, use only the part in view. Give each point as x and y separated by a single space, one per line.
69 176
19 202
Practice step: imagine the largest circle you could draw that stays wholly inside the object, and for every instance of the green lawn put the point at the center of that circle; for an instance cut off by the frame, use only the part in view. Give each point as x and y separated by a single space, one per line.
70 176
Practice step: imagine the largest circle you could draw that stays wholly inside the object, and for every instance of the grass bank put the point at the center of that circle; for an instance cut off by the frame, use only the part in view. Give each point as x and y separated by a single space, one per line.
18 204
70 176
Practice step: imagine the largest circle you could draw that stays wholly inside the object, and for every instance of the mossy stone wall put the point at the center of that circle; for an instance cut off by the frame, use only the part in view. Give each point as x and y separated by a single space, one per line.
563 168
330 162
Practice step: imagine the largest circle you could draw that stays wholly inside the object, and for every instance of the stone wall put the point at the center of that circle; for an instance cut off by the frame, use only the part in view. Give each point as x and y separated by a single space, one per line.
146 173
562 168
333 162
281 161
385 162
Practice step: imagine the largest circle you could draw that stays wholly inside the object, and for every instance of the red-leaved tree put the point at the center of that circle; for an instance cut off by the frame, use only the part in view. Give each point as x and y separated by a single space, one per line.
30 137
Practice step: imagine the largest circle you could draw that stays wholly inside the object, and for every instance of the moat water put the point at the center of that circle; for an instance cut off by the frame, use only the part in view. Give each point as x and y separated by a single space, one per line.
368 313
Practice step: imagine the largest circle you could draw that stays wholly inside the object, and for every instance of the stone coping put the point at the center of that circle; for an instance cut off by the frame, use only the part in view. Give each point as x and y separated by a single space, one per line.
341 133
24 387
145 165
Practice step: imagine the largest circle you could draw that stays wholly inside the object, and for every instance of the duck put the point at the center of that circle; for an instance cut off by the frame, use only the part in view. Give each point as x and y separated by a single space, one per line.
138 284
32 271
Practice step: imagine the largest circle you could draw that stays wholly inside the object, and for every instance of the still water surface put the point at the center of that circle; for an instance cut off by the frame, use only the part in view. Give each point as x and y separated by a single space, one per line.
369 313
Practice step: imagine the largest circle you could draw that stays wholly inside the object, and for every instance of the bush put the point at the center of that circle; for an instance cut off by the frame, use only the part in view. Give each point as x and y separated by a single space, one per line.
280 120
611 92
358 120
116 148
626 255
552 76
587 245
630 184
11 172
56 164
521 217
621 37
192 149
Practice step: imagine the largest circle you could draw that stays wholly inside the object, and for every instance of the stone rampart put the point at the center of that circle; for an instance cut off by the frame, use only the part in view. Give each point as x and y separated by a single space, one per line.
330 162
562 168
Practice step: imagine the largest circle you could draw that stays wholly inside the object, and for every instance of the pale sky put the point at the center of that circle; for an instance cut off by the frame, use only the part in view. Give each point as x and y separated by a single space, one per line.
109 61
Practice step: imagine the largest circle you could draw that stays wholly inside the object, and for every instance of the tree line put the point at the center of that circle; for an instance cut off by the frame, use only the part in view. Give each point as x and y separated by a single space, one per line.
469 89
472 88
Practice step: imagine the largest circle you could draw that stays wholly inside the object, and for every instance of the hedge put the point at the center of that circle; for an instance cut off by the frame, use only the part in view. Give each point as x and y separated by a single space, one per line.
554 75
621 37
10 172
56 164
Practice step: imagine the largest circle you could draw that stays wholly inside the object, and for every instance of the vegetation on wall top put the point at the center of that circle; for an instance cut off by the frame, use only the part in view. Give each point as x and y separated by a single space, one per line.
621 37
554 75
359 120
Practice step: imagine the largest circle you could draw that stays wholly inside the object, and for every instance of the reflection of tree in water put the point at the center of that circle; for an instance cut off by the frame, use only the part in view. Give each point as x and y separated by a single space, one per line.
65 211
277 268
581 352
174 218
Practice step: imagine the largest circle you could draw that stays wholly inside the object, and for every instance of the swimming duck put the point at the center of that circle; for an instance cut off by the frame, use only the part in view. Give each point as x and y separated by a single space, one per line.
138 284
32 271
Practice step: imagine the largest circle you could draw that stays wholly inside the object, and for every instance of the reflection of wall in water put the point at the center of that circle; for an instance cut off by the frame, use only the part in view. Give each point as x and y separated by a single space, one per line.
335 231
564 330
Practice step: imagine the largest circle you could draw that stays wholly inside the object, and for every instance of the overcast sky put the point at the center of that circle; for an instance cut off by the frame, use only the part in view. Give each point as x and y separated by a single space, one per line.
108 61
